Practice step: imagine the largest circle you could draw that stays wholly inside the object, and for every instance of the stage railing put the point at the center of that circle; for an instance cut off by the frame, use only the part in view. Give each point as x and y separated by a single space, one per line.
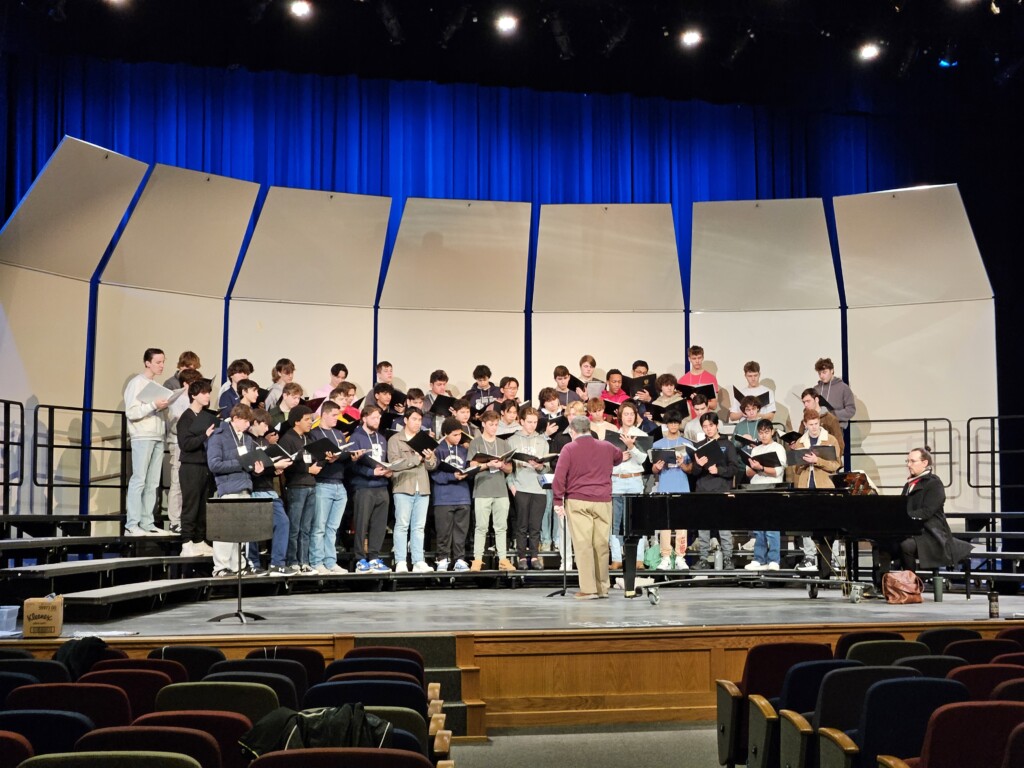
12 444
83 449
928 426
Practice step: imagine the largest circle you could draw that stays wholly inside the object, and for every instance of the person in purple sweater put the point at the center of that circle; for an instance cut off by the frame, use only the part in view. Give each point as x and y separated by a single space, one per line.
583 489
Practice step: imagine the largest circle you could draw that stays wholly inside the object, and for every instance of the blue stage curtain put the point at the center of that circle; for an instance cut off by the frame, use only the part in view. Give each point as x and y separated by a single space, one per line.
417 139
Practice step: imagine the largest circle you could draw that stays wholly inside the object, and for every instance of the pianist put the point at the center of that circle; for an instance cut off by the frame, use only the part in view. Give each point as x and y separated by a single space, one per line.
935 546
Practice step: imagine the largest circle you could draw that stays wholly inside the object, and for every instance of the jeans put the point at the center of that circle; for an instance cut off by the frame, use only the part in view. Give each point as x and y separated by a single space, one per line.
301 508
766 547
147 462
410 513
550 522
331 499
279 543
615 541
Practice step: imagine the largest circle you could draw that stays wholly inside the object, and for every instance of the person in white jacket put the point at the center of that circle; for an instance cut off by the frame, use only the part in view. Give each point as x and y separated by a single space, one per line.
147 426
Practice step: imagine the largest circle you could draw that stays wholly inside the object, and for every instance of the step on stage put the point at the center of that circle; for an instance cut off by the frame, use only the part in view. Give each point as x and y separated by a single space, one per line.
523 658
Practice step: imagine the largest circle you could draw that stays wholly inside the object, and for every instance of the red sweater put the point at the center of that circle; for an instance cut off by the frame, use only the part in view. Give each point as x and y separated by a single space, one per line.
584 470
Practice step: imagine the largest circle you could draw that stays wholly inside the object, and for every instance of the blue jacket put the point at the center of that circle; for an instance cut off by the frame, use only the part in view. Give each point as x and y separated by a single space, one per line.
222 458
447 490
361 475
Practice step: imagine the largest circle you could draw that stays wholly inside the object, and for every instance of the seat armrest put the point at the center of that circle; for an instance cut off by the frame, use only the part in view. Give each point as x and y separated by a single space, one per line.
729 701
836 749
795 739
888 761
433 691
762 733
435 707
436 723
442 743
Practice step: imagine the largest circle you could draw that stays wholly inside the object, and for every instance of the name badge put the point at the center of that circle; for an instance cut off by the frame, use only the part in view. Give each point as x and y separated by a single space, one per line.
306 457
242 450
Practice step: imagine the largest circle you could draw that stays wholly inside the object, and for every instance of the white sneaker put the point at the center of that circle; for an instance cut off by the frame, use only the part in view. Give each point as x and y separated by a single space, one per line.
186 549
442 565
665 564
202 549
134 532
681 563
337 569
773 566
461 565
402 567
421 567
749 546
159 532
754 565
322 569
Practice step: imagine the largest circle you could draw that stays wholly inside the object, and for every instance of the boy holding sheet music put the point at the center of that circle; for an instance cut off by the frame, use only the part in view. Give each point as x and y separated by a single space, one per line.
565 394
763 396
490 493
766 465
413 449
369 479
194 429
263 488
451 497
714 467
330 495
627 477
482 393
816 455
300 488
671 470
527 494
697 377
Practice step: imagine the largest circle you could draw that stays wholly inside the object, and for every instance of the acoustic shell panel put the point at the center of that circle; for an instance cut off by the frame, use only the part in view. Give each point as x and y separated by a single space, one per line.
459 255
784 343
314 337
761 255
908 246
65 222
607 258
185 233
313 247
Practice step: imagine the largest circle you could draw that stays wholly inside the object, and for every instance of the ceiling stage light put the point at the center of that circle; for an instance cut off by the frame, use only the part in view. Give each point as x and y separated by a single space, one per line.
869 51
300 8
506 23
691 38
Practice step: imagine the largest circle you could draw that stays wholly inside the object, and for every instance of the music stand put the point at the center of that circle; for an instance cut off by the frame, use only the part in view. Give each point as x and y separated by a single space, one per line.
237 521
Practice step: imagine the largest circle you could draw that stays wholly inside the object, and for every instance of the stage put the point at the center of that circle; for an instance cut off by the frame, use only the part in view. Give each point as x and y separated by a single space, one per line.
519 658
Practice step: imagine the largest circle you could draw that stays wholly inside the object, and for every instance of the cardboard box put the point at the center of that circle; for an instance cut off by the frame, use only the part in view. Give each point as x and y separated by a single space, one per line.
43 616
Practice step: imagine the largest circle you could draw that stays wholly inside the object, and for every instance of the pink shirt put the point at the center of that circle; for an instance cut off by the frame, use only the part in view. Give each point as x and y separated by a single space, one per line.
696 381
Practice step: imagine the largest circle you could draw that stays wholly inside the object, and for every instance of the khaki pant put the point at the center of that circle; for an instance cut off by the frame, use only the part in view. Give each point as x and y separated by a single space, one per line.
590 523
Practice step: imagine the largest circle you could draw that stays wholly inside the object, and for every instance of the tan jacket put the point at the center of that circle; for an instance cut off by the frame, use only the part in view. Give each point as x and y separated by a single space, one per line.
831 424
415 480
822 467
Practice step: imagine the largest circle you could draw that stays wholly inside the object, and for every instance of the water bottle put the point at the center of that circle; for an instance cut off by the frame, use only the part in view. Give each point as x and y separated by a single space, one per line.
719 561
993 605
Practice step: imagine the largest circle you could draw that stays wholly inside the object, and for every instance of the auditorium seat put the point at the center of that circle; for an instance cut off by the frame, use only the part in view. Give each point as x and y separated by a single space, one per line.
370 693
13 749
281 685
225 727
376 664
197 659
290 668
1013 757
342 758
47 730
15 653
310 658
385 651
11 680
250 699
173 669
799 693
982 651
1009 690
140 685
908 702
369 675
967 735
1012 633
45 670
933 666
849 639
435 743
763 673
112 760
1010 658
982 679
938 638
104 705
839 704
140 738
881 653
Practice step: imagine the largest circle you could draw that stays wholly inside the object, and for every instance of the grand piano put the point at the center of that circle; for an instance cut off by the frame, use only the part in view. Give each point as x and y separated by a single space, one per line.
833 514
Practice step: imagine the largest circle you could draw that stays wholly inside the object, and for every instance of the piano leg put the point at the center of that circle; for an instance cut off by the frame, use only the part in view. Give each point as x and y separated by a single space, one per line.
629 546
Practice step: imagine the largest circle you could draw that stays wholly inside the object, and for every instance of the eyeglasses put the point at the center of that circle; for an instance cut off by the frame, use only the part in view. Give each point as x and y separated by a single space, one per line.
913 461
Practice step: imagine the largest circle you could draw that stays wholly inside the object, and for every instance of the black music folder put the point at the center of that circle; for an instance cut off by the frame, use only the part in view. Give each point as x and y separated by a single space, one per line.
422 442
543 421
645 382
442 405
205 419
762 400
767 459
796 457
313 403
688 391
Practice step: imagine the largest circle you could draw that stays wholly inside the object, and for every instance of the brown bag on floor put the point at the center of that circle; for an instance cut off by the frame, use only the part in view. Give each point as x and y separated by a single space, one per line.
900 587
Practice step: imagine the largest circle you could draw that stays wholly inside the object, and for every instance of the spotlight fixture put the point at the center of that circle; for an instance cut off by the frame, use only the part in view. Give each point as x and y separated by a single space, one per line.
560 31
506 23
949 58
300 9
869 51
743 40
995 8
691 38
455 22
389 19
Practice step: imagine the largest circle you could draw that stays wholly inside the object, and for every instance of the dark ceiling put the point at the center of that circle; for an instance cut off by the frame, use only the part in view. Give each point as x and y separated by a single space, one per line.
755 51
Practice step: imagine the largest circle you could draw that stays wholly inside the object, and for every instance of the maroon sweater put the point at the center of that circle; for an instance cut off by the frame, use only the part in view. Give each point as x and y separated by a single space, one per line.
584 470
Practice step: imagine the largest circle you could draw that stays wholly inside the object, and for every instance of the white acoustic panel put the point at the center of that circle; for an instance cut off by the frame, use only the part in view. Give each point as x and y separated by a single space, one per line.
418 342
129 320
785 343
314 337
459 254
615 340
607 258
909 364
315 247
765 254
65 222
42 337
908 246
185 233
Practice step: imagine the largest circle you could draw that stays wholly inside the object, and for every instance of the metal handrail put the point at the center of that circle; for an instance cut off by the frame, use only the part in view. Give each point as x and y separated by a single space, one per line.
45 450
9 441
928 423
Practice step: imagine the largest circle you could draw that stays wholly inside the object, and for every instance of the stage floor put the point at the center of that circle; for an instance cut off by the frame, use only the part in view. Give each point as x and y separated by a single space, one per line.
529 609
